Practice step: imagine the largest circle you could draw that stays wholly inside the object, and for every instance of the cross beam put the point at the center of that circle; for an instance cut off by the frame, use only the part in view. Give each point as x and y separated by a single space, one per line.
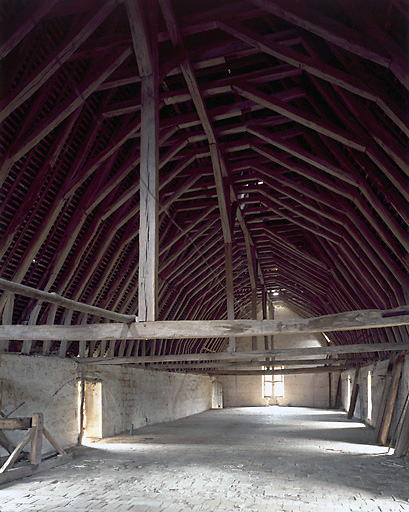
182 329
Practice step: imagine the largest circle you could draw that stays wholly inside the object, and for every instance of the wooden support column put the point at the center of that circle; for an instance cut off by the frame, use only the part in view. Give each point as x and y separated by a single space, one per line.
264 307
254 315
354 394
50 321
7 317
31 321
270 316
148 227
37 423
384 399
64 343
337 404
143 23
229 291
391 401
402 442
82 406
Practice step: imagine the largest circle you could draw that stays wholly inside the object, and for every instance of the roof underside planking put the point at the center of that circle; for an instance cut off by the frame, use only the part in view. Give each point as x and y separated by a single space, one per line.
282 129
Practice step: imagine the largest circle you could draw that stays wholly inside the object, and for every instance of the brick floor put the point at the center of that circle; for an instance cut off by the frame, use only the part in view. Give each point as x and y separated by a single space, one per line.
249 459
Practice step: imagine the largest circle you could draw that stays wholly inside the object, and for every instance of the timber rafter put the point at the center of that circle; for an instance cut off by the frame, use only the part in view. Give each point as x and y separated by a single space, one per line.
281 157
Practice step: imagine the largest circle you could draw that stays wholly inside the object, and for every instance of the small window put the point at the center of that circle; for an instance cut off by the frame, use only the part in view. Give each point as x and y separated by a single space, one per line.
273 385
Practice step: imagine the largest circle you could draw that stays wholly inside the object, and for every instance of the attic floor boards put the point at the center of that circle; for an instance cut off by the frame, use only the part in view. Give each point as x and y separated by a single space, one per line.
251 459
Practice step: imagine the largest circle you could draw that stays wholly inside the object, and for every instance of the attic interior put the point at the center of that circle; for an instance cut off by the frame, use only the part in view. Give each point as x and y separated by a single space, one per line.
209 191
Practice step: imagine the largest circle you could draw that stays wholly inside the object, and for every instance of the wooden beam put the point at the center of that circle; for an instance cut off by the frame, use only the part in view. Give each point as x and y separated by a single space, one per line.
58 300
243 364
354 394
37 439
338 34
148 227
15 423
7 317
95 77
141 36
182 329
391 400
308 120
218 164
362 348
229 290
13 456
143 27
288 371
13 35
53 62
402 442
314 66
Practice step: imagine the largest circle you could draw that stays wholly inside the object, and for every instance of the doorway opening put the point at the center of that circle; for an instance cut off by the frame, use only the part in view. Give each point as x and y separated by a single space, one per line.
91 416
217 395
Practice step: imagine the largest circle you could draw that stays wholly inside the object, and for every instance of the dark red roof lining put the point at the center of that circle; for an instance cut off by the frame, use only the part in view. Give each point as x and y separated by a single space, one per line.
348 261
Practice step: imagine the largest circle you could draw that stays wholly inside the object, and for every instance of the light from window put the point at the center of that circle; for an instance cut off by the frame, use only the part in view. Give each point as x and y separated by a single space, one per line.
273 387
279 384
348 392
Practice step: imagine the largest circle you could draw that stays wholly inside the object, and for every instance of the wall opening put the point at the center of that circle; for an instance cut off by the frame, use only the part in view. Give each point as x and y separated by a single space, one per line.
217 395
92 412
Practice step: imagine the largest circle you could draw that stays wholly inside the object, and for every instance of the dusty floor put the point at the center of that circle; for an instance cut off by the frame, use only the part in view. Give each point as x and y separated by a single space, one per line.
250 459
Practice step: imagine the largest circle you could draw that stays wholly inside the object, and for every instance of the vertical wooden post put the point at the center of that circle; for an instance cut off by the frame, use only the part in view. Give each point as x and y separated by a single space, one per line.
37 440
384 399
390 405
64 343
148 228
402 442
147 57
329 390
83 344
229 290
270 316
31 321
254 315
82 406
50 321
7 317
354 394
265 313
338 394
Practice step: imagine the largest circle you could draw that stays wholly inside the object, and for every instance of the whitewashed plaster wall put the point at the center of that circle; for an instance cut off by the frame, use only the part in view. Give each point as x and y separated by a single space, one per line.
309 390
129 395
